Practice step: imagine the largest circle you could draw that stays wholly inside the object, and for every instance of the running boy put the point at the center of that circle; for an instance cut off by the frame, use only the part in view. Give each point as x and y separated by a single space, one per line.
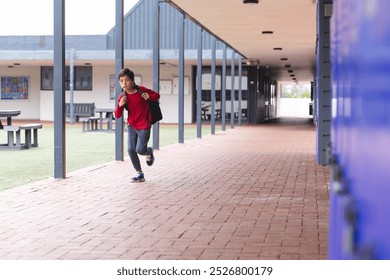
138 120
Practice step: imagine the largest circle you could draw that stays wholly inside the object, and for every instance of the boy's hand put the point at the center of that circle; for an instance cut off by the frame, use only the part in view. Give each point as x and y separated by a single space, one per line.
123 101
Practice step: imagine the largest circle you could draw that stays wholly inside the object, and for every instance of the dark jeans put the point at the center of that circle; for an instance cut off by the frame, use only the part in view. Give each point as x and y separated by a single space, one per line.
137 144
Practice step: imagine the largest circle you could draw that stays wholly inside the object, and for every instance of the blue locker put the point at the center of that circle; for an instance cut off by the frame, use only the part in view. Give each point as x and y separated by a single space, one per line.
360 191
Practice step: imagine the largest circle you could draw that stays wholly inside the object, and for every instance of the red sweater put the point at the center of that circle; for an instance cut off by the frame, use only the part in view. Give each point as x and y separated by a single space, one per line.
138 115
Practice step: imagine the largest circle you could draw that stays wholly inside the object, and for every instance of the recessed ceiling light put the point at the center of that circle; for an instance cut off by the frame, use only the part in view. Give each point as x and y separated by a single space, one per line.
250 1
253 62
267 32
10 66
278 49
292 75
287 65
290 71
284 58
16 64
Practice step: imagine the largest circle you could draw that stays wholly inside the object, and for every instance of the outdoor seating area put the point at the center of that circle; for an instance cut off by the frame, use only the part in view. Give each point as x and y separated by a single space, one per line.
80 110
14 139
85 112
206 110
93 124
25 135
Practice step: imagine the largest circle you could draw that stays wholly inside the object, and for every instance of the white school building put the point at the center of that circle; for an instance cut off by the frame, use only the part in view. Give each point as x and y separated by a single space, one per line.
26 70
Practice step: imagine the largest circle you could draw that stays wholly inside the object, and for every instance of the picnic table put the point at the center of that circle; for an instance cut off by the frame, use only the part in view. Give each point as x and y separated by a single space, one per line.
10 134
205 109
8 114
13 132
95 124
109 116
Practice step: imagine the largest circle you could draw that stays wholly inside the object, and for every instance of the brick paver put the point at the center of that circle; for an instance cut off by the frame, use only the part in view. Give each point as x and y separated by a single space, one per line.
252 192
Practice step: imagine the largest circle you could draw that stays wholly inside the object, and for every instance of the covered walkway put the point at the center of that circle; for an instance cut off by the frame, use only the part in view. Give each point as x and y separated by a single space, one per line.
252 192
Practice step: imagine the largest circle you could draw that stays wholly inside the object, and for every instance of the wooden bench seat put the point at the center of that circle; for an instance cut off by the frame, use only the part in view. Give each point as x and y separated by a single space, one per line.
80 110
27 134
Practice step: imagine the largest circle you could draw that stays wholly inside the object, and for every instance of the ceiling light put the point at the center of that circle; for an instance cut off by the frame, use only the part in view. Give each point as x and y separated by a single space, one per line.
287 65
284 58
253 62
250 1
267 32
290 71
278 49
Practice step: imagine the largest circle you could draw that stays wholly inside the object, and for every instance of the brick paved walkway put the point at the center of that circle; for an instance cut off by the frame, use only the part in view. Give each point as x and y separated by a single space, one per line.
251 192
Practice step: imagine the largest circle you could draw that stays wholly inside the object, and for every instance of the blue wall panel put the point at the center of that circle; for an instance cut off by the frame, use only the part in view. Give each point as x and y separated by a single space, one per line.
360 130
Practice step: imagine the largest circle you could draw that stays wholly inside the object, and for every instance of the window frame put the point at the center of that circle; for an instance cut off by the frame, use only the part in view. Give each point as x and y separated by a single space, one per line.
48 72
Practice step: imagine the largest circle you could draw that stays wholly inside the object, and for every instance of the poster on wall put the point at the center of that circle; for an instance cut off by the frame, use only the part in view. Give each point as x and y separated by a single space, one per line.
15 87
165 87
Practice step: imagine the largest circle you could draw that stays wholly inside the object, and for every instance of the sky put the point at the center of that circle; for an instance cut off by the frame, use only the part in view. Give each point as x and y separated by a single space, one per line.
35 17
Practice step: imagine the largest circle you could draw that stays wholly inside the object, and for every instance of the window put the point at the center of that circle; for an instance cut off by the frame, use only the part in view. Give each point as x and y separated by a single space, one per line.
112 87
82 78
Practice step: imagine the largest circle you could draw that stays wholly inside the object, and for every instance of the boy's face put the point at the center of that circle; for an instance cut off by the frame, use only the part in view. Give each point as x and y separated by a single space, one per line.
126 83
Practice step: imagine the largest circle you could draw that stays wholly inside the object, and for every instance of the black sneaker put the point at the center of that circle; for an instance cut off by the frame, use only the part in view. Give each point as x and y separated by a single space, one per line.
150 158
138 178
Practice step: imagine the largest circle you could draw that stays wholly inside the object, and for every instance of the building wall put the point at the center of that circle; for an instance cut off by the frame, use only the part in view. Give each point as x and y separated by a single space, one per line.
30 109
40 104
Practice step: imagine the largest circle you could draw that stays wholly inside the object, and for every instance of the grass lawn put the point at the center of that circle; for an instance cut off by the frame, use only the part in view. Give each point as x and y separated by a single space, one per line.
19 167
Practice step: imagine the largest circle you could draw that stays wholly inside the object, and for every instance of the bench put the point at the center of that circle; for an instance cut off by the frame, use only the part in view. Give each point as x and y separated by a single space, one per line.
27 134
84 110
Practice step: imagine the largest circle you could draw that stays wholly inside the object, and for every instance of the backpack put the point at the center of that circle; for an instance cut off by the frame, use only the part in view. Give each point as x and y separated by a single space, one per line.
154 108
155 111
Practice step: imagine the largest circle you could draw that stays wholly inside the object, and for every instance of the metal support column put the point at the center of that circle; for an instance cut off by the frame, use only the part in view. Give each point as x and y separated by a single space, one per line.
223 98
71 85
59 90
156 65
239 90
180 25
232 93
199 86
323 84
213 73
119 58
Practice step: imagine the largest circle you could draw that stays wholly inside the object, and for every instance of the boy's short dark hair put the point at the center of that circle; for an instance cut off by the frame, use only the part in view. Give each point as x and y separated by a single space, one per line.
126 72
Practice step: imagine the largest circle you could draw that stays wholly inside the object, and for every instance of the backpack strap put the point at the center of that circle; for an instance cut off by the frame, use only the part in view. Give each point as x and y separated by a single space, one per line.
126 107
138 88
